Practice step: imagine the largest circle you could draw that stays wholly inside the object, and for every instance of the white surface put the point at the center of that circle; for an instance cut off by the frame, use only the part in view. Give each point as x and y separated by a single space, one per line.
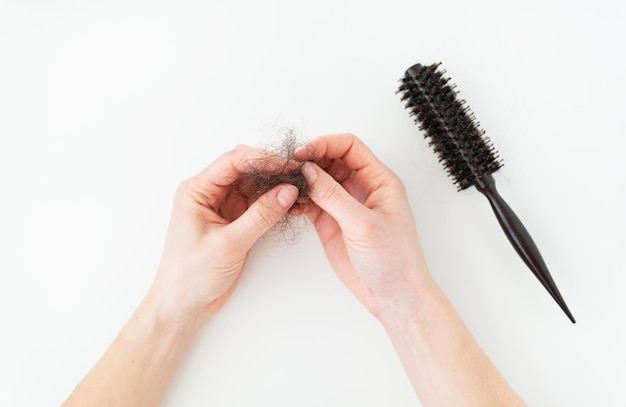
106 106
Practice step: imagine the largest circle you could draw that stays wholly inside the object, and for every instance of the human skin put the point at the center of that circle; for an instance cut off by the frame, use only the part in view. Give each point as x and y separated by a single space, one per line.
362 216
210 233
366 226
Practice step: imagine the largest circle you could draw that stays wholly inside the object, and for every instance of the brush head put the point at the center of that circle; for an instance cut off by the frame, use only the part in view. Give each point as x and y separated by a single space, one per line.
463 149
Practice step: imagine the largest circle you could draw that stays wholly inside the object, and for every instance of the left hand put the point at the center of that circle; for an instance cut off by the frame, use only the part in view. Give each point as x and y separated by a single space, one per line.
211 230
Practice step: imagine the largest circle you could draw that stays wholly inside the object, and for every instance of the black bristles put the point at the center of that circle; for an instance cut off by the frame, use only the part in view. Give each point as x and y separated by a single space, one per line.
469 157
465 152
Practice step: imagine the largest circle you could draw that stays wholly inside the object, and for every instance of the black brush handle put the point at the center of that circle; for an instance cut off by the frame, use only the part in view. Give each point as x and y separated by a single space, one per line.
521 240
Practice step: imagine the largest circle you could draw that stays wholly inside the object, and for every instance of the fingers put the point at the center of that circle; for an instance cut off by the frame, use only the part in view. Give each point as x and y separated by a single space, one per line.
347 147
212 184
242 159
262 215
227 167
353 164
329 195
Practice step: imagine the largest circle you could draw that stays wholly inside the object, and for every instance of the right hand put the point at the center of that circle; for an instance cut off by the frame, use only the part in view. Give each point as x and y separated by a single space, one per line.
364 222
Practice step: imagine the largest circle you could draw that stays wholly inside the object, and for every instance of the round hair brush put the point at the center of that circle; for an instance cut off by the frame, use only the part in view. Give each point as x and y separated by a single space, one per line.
468 157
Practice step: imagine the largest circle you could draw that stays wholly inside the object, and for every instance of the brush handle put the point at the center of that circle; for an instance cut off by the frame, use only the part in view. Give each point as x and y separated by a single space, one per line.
520 240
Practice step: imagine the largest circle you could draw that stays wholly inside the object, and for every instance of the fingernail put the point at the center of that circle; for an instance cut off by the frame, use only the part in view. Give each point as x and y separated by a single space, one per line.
287 196
310 172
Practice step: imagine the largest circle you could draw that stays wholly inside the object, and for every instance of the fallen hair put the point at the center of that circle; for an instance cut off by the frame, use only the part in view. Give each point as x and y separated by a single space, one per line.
278 165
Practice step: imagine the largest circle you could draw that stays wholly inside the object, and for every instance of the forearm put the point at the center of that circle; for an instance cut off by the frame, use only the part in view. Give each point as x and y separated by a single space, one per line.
139 365
445 364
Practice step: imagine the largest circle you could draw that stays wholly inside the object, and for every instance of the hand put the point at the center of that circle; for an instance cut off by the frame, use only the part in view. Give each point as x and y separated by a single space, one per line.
211 230
364 222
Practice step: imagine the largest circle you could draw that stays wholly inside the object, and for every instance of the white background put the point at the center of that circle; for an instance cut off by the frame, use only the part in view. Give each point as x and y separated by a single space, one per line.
106 106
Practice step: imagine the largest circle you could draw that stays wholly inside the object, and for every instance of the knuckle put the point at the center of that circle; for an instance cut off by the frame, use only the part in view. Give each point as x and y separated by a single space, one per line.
241 147
182 191
264 216
331 194
351 139
396 183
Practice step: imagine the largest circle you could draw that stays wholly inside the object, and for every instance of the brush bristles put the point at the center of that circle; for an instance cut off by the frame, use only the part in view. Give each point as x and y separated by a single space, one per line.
462 147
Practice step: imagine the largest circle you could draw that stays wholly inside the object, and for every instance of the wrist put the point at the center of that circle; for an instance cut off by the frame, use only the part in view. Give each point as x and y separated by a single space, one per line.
167 312
420 305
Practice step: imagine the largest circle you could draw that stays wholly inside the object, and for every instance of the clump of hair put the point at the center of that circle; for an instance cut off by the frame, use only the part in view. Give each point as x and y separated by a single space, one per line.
279 165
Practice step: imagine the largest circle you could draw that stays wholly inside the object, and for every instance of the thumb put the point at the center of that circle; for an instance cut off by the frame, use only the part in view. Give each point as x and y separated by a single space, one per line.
329 195
263 214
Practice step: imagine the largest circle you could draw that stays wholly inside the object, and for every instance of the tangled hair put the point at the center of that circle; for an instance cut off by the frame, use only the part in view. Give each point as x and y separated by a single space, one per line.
278 165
